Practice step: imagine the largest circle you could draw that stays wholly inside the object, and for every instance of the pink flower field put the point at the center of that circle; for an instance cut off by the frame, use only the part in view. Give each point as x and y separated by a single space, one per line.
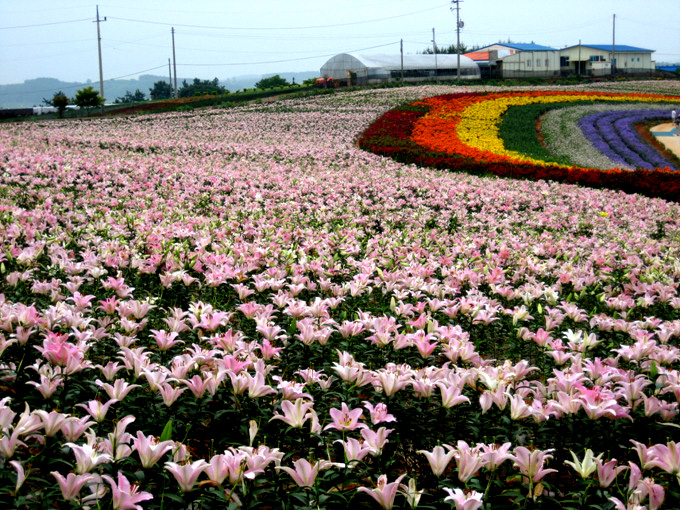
238 308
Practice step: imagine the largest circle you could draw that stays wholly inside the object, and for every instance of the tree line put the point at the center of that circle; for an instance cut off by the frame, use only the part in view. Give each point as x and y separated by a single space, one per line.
88 98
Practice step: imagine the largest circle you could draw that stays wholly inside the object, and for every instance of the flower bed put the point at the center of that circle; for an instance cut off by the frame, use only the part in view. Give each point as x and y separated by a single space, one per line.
461 131
241 308
614 134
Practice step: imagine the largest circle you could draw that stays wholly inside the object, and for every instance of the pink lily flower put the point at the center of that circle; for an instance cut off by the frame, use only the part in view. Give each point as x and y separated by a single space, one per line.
119 390
96 409
345 419
71 484
439 458
608 471
149 450
73 428
354 450
21 475
87 457
295 414
256 386
384 493
125 495
530 462
165 340
666 457
469 460
169 393
463 501
494 455
376 439
222 466
52 421
187 474
451 394
304 473
379 413
47 385
9 444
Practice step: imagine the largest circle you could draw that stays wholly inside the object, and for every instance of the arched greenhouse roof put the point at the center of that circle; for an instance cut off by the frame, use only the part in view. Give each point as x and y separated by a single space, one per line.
337 66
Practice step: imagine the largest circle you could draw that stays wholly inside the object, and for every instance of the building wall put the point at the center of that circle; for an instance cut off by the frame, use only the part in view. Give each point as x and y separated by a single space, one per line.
598 62
526 64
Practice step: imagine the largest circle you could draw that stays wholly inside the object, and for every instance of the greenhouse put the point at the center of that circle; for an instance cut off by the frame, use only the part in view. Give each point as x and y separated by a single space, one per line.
370 69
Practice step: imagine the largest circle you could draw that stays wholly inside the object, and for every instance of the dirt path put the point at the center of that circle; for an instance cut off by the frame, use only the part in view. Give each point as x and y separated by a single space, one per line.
665 135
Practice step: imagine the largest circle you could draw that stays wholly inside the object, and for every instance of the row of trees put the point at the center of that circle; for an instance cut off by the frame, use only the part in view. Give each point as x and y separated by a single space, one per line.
89 98
86 98
451 49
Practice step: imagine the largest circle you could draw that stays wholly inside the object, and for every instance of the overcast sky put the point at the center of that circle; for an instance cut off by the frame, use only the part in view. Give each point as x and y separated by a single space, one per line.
225 38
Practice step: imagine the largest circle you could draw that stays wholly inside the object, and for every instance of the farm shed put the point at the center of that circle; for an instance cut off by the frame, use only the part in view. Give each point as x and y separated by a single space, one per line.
370 69
597 59
521 60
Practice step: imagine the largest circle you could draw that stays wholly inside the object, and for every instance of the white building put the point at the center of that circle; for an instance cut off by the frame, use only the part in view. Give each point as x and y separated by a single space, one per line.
598 59
521 60
360 69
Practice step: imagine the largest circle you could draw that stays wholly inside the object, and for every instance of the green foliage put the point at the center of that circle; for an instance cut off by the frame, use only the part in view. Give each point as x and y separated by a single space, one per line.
450 49
272 82
519 131
201 88
88 98
132 97
160 90
60 101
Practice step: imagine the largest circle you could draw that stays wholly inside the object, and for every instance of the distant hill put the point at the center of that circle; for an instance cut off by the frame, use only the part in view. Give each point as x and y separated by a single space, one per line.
31 92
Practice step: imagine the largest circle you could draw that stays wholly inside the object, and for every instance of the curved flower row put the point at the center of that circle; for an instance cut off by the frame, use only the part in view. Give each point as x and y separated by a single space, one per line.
563 136
460 132
471 127
615 134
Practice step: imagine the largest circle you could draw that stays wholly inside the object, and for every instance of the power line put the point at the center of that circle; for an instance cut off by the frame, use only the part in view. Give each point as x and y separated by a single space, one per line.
70 87
287 60
47 24
211 27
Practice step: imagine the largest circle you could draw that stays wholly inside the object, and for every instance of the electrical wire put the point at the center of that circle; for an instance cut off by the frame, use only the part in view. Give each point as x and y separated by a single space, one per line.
47 24
210 27
287 60
69 87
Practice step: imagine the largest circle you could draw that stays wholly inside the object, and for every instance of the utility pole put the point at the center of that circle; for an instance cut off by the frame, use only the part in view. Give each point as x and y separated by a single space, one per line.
459 25
434 49
614 45
170 76
401 49
101 70
174 60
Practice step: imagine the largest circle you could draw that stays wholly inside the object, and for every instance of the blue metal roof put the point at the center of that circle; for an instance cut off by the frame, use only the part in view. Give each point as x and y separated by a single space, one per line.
519 47
620 48
528 47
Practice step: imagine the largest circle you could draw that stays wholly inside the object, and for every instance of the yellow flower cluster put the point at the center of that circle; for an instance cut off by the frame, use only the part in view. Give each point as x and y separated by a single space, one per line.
478 127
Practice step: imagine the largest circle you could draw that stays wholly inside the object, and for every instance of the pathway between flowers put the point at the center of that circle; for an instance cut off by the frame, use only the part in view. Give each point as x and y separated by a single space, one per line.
671 142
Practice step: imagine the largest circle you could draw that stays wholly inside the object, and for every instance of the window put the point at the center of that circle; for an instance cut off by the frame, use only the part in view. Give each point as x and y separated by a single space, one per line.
547 62
529 63
564 61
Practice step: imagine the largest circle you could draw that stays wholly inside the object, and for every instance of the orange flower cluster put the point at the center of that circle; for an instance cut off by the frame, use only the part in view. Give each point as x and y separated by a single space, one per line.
468 125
